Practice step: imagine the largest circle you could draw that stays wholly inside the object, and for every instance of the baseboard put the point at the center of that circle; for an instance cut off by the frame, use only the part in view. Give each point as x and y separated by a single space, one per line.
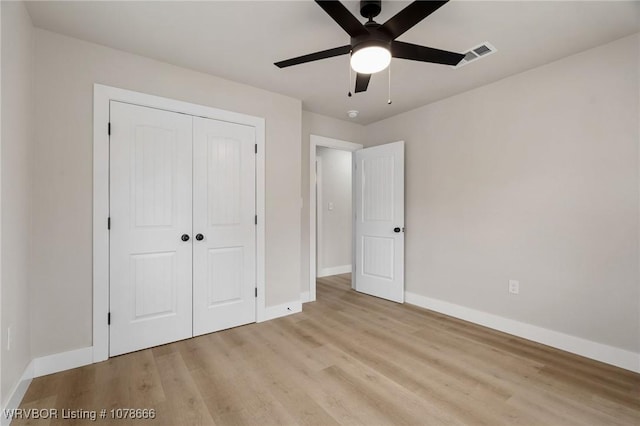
62 361
577 345
304 297
16 394
272 312
334 270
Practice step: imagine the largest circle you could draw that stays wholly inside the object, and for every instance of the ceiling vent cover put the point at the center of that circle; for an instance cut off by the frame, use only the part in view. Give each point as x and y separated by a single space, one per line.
480 51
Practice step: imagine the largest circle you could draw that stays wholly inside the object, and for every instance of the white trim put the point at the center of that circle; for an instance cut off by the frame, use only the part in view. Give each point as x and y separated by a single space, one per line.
334 270
62 361
319 229
316 141
2 422
41 367
17 393
277 311
260 227
304 297
102 95
566 342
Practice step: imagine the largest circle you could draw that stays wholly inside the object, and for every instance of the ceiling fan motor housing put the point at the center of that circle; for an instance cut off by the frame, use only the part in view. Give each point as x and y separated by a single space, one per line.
375 37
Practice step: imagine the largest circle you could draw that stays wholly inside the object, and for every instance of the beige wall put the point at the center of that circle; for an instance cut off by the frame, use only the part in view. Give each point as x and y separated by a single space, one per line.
334 242
65 71
15 192
533 178
319 125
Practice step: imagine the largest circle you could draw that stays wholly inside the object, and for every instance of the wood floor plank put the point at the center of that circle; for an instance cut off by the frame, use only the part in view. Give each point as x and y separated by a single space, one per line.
183 398
428 377
145 386
288 389
348 359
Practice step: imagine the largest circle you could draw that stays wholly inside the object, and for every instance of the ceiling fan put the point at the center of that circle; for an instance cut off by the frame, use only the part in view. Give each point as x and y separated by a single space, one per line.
373 45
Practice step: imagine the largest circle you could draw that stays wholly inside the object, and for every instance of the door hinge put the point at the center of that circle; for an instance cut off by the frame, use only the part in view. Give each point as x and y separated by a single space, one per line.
256 291
108 223
256 146
109 128
256 219
109 318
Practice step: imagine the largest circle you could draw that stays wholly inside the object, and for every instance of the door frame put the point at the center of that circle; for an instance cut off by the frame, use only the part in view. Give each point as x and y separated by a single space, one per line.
316 141
102 96
319 258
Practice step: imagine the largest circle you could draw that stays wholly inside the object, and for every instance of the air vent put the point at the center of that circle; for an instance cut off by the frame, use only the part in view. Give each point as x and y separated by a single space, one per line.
470 56
475 53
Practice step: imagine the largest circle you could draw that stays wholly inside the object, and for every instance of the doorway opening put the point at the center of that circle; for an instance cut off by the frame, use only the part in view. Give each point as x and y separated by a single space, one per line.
333 211
331 200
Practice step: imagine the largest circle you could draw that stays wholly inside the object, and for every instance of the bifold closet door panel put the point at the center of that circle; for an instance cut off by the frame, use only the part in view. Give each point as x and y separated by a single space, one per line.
224 208
151 217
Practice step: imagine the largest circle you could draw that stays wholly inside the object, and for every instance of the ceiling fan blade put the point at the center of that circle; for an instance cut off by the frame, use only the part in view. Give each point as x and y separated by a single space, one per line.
410 16
414 52
362 82
343 17
324 54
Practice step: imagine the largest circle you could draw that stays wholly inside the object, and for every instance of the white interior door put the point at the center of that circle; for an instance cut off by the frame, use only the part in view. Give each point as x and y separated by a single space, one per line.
150 211
224 224
379 221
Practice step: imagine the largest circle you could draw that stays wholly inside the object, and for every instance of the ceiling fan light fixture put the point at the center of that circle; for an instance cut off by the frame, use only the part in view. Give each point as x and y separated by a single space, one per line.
370 59
372 44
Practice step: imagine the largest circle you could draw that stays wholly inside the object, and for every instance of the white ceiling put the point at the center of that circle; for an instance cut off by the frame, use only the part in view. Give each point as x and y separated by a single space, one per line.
240 40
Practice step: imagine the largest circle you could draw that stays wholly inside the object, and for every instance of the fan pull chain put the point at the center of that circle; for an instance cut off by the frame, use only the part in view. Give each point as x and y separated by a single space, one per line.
349 86
389 99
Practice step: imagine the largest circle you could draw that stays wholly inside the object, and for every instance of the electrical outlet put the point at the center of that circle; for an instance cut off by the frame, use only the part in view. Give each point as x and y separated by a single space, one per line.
514 287
9 338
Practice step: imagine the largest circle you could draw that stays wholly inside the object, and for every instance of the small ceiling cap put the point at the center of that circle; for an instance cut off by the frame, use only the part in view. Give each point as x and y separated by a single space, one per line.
353 113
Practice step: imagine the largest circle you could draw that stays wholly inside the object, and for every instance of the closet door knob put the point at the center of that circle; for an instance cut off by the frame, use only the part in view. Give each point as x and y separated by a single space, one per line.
185 237
396 230
199 237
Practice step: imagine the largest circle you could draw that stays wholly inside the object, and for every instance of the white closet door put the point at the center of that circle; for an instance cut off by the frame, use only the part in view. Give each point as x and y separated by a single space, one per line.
150 210
224 208
379 222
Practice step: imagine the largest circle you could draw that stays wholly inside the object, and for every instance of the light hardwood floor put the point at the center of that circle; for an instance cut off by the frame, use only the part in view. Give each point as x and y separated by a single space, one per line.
350 359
